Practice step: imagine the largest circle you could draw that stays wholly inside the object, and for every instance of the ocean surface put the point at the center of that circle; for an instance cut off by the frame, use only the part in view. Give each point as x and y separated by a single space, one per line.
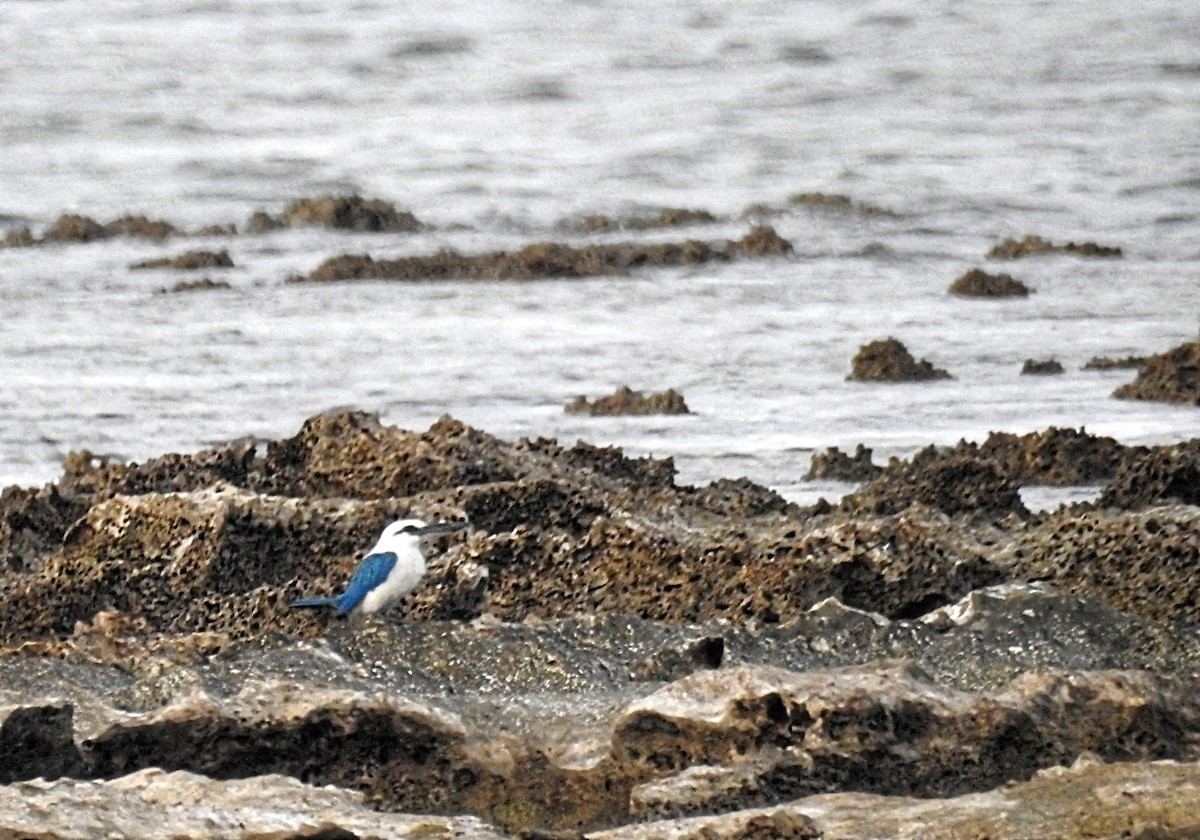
499 124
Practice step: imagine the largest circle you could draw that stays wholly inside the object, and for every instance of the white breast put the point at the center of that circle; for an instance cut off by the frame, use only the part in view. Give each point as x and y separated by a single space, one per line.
405 575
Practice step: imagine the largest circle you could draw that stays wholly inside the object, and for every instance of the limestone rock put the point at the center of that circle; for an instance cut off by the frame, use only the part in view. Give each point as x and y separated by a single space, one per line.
1172 377
627 401
889 361
980 284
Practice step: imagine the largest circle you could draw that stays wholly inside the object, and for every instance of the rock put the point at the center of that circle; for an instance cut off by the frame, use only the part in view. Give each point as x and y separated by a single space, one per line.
204 284
836 201
1047 367
340 213
1011 249
1087 799
154 804
1172 377
889 361
71 227
954 484
548 260
1142 563
1105 363
32 524
189 261
837 465
1162 475
978 283
668 218
626 401
1054 457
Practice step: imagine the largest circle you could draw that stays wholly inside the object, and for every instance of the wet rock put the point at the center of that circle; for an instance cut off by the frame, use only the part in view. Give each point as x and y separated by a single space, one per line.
1162 475
1172 377
953 483
340 213
189 261
1045 367
836 201
978 283
1011 249
204 284
72 227
888 360
761 241
668 218
1105 363
837 465
547 260
625 401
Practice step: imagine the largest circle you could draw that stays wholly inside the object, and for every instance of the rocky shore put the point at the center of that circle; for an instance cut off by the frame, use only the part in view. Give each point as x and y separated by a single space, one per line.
603 651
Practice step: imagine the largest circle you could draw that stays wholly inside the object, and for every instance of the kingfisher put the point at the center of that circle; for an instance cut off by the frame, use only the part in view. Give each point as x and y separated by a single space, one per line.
388 571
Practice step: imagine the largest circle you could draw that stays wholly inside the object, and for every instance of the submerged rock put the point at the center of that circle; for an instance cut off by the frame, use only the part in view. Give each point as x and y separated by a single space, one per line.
627 401
350 212
888 360
548 260
72 227
667 218
1045 367
1172 377
189 261
836 201
1105 363
1011 249
978 283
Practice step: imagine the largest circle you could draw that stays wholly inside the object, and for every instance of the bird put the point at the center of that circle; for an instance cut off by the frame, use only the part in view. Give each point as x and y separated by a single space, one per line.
388 571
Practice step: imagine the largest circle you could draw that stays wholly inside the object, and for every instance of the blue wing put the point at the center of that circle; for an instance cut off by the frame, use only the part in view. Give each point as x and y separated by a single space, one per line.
372 571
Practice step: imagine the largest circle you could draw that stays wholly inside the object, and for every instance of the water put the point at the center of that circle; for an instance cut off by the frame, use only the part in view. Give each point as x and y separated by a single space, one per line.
497 122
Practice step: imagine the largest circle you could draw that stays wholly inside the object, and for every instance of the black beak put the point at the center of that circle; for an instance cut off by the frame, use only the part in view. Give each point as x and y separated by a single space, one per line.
442 527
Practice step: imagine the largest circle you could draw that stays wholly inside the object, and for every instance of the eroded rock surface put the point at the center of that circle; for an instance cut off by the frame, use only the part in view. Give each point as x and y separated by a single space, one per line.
1011 249
1172 377
189 261
603 645
349 212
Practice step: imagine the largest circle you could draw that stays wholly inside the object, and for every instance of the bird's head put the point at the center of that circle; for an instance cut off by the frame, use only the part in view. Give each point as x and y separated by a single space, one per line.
409 532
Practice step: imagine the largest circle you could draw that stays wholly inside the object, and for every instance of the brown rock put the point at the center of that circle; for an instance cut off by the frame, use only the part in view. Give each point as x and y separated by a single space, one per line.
1172 377
202 285
667 218
1055 457
837 465
836 201
75 228
889 361
1162 475
548 260
953 483
350 213
1105 363
978 283
625 401
189 261
1047 367
1011 249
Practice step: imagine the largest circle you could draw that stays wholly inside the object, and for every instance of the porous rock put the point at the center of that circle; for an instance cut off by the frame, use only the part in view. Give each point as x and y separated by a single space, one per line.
627 401
1143 563
1161 475
836 201
1055 457
667 218
1107 363
73 227
1172 377
978 283
952 483
888 360
837 465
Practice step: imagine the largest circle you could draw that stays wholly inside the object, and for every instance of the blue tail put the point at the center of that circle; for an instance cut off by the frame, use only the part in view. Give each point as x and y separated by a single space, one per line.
316 602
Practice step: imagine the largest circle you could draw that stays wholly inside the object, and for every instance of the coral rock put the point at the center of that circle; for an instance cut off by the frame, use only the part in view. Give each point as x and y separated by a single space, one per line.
977 283
1047 367
1172 377
627 401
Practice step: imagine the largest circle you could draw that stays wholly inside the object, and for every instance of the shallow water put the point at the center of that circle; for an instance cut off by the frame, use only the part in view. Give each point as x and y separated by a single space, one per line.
495 123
